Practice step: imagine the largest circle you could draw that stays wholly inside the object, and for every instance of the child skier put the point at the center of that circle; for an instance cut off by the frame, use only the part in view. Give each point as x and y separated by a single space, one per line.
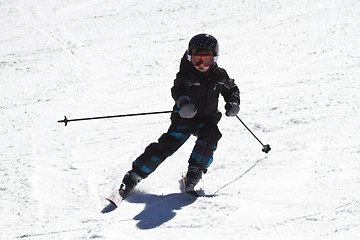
196 90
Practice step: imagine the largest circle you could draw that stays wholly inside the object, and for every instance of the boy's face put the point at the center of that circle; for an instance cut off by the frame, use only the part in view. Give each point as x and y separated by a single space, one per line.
201 67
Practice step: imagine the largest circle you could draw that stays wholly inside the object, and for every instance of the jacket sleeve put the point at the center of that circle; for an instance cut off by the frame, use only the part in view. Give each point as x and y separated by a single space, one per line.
182 82
180 88
230 91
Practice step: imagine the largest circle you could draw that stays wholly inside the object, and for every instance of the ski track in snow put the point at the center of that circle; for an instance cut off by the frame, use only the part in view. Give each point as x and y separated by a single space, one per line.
296 63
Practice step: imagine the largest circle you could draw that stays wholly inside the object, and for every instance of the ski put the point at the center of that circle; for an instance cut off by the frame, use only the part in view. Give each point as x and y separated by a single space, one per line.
115 198
188 189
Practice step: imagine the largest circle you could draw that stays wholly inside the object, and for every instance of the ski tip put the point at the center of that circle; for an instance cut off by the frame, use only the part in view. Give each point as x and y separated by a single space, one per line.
115 198
113 202
110 207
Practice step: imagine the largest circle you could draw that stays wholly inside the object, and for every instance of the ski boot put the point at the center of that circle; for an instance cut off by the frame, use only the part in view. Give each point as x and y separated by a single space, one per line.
130 180
193 176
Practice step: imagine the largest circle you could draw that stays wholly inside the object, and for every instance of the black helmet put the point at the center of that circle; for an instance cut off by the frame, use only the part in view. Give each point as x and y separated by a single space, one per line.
204 41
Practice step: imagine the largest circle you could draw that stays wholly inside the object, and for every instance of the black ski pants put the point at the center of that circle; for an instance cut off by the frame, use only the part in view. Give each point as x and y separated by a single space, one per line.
207 134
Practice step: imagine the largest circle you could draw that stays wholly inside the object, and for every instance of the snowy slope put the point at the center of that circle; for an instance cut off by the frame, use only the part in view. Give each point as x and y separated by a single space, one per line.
297 64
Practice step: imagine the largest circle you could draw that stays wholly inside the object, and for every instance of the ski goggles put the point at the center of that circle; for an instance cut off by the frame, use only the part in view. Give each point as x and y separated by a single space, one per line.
206 60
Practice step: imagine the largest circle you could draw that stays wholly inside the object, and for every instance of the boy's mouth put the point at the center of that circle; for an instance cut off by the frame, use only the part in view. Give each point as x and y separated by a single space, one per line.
201 68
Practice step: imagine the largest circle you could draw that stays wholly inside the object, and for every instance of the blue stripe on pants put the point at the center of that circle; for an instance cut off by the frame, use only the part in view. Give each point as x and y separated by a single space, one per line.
203 160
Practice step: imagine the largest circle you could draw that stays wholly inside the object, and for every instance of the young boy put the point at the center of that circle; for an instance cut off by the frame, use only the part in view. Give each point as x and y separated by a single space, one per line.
196 90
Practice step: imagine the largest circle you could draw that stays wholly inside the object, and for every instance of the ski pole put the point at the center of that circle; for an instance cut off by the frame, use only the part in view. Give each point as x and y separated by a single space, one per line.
266 148
113 116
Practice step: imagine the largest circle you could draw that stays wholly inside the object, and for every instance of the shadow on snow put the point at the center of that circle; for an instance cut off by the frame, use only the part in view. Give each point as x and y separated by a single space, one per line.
159 209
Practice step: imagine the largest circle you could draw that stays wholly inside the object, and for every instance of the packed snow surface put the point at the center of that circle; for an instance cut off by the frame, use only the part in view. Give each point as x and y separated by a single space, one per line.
297 64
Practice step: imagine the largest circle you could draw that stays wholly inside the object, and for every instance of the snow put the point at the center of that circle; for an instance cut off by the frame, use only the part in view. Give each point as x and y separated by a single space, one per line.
297 64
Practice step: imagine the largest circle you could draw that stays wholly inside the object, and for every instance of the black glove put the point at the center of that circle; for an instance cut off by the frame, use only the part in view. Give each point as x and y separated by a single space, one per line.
187 108
232 109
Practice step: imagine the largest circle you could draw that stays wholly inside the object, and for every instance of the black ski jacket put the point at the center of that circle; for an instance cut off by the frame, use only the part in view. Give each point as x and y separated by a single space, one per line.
203 89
